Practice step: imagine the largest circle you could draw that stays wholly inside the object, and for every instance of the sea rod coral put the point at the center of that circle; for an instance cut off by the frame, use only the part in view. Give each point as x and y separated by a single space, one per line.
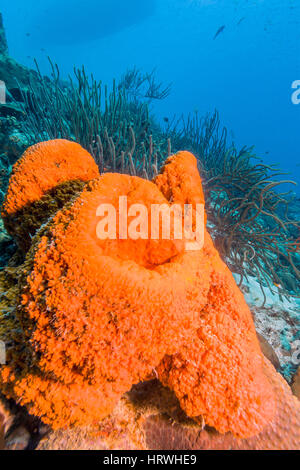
96 316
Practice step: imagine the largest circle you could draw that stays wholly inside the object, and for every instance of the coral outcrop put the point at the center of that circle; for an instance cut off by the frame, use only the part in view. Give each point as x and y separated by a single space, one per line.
268 351
296 384
96 316
281 433
149 417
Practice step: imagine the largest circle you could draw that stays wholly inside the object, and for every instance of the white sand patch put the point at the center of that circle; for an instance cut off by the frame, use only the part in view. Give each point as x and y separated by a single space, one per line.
278 321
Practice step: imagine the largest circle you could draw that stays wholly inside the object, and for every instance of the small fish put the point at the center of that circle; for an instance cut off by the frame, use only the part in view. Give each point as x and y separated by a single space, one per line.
166 119
240 21
220 30
28 34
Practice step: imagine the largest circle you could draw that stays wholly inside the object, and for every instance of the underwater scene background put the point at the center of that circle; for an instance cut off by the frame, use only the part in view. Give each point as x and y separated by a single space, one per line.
137 81
246 73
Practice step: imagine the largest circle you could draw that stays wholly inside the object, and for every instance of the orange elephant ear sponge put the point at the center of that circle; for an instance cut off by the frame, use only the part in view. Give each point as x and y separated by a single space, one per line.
180 182
219 375
98 315
43 180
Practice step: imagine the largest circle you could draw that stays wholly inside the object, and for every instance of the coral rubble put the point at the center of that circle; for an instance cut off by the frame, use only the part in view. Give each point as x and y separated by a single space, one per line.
296 384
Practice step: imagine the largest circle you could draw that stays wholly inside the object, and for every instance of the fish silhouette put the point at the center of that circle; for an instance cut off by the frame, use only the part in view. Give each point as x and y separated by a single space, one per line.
220 30
241 20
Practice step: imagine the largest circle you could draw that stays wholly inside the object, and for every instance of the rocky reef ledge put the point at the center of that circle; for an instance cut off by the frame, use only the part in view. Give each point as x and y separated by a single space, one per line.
149 418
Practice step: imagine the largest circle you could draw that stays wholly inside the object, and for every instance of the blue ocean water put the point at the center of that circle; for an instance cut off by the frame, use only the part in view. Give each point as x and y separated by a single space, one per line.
238 56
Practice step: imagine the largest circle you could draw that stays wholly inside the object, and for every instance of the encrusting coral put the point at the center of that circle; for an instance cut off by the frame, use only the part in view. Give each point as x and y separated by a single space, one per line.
97 316
47 176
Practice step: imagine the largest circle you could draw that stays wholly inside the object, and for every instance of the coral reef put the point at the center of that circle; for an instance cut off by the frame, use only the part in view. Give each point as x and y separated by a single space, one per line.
279 322
268 351
12 140
250 220
3 41
84 320
97 316
116 126
119 329
45 178
282 433
138 86
5 421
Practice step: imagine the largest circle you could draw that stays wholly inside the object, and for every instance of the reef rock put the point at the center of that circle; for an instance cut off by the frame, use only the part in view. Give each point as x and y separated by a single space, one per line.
3 41
296 384
16 78
268 351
